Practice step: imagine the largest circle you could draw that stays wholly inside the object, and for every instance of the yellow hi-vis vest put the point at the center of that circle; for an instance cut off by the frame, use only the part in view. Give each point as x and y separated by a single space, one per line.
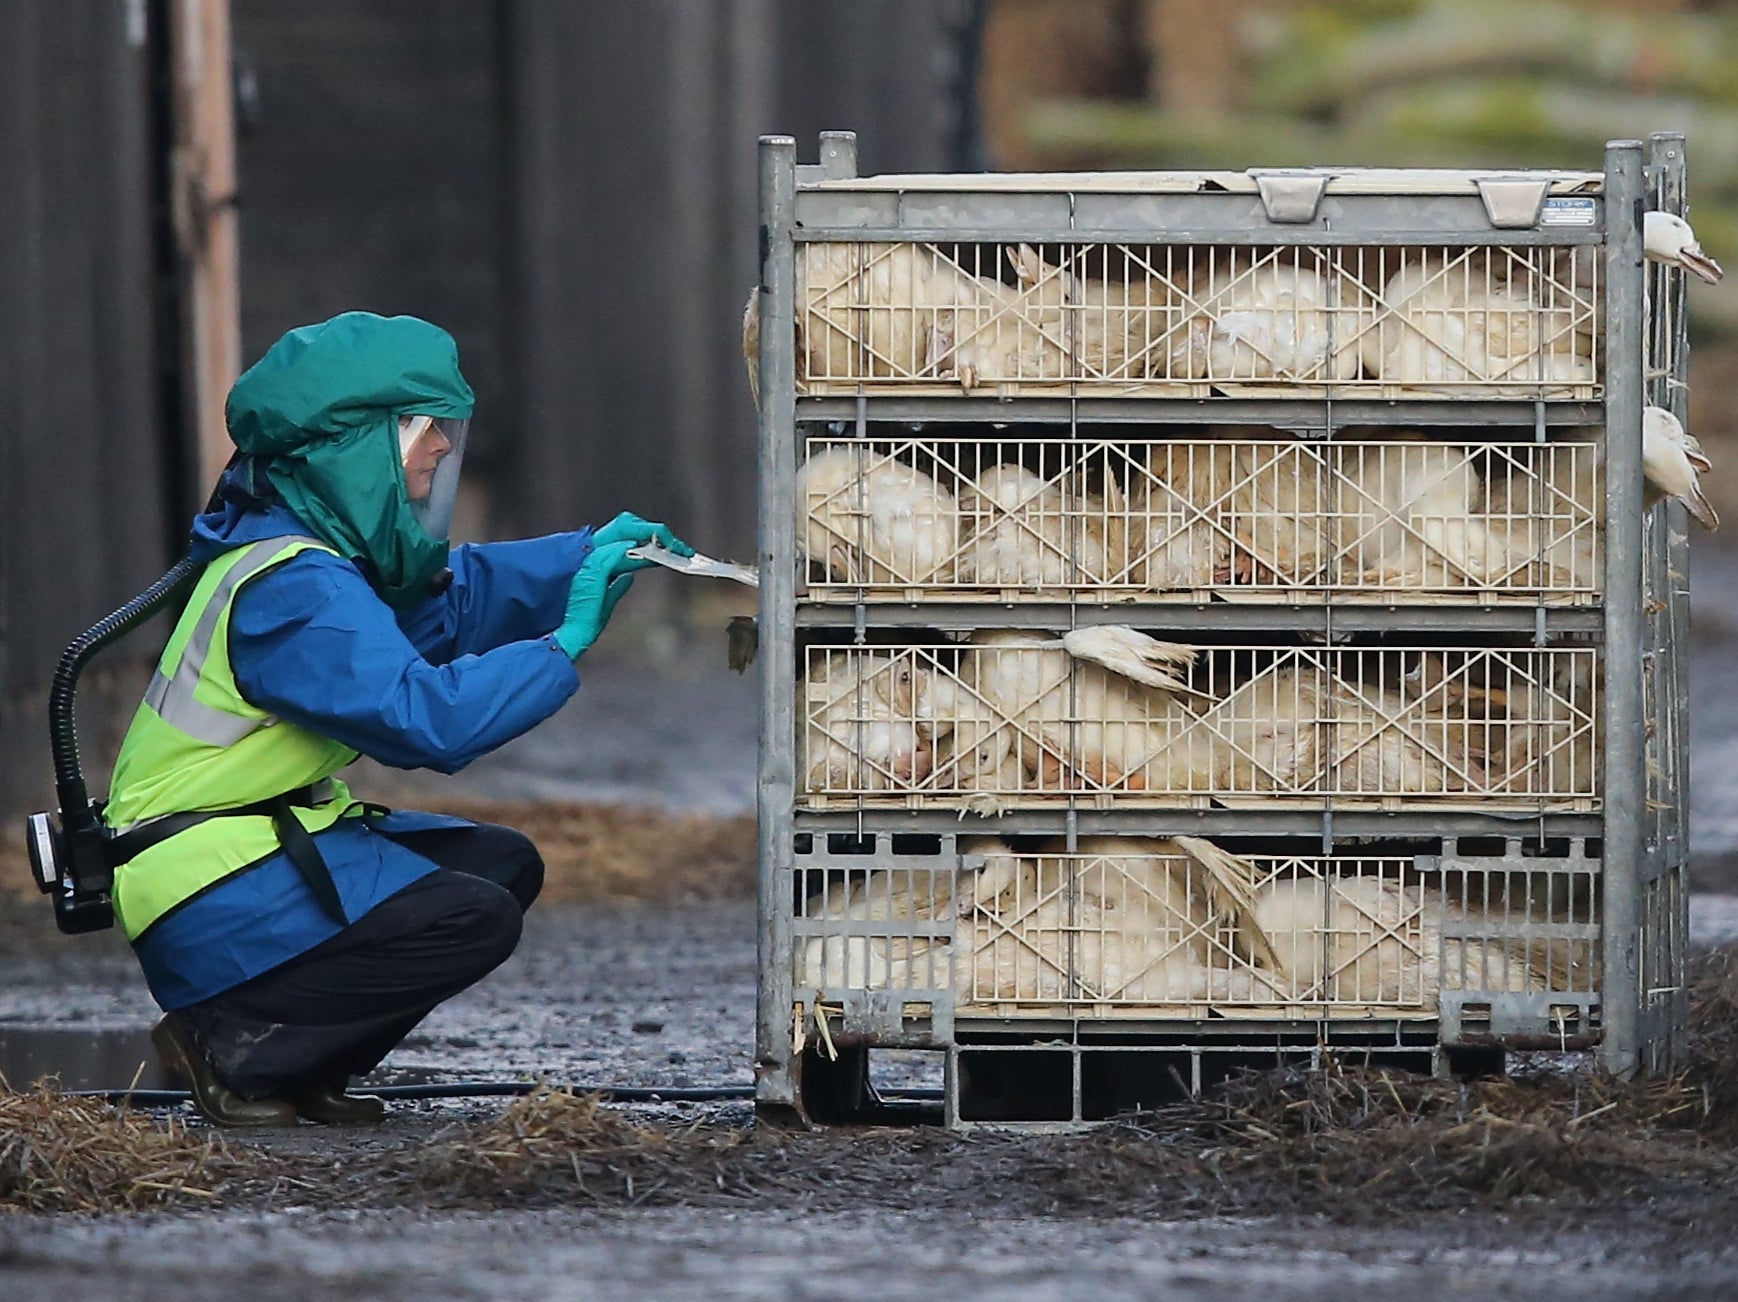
197 745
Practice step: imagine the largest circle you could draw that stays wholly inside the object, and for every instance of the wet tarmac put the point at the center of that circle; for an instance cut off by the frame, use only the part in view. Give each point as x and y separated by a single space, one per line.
623 996
876 1253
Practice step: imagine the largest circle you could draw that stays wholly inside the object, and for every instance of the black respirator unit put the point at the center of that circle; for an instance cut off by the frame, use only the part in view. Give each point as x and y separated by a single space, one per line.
69 853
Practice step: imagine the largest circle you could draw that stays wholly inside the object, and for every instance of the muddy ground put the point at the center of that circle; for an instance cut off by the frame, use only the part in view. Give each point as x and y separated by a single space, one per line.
873 1253
643 994
640 970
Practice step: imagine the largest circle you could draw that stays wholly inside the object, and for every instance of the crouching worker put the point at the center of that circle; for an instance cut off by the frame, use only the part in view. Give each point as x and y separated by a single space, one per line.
292 935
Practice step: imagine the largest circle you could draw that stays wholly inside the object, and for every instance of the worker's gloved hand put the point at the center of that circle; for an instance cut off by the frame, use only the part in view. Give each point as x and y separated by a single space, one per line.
597 585
628 527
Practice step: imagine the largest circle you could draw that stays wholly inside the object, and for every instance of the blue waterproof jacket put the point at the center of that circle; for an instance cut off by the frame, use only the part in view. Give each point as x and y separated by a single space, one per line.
433 687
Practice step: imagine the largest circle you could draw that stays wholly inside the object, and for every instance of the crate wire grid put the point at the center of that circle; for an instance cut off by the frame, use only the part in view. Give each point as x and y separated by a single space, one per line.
1007 518
1139 929
1013 719
1454 320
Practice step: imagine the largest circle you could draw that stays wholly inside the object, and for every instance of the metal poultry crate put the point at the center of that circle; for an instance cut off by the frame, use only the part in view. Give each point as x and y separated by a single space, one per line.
998 518
1130 944
1342 433
1014 719
1193 319
1132 927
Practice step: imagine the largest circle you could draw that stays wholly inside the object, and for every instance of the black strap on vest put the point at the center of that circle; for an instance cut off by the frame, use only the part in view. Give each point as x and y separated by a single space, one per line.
292 836
308 860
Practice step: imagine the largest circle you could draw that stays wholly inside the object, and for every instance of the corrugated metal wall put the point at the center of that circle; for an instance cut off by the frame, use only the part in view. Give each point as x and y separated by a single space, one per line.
569 188
84 481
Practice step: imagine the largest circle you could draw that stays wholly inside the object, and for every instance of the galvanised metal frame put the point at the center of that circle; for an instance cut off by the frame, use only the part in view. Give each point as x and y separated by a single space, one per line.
1662 886
1644 849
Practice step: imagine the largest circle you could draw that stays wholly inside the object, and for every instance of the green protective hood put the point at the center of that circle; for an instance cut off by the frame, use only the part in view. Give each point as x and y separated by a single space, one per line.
320 410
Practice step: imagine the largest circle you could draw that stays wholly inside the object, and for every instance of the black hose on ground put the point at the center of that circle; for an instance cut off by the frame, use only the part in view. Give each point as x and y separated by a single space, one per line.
466 1089
476 1089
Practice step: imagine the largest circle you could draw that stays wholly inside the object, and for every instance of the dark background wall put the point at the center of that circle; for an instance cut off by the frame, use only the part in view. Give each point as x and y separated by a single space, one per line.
569 187
86 465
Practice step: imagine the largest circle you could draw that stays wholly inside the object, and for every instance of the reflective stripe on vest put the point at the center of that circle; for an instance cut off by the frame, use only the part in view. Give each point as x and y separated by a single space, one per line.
197 744
172 696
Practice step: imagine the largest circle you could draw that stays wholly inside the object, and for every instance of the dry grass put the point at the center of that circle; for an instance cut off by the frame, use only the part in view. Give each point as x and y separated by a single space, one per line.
59 1154
1343 1133
1349 1132
590 852
617 852
549 1144
1713 1039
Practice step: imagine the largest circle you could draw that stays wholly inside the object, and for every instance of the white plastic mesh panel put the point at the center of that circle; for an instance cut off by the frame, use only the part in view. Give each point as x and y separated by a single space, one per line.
1018 718
1402 321
993 518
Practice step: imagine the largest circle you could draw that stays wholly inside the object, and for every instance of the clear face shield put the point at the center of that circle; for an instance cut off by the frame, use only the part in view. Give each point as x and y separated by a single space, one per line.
431 450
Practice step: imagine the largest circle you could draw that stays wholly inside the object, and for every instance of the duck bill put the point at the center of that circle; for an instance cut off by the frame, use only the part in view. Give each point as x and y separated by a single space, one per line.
1700 264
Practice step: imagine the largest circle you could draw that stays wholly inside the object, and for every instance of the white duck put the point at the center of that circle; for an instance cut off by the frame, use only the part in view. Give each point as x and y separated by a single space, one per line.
1668 238
1093 722
991 333
1406 517
1297 729
1268 320
1665 238
1022 531
1124 919
873 520
866 310
1375 940
1109 322
1459 320
860 730
1267 503
1173 542
1672 461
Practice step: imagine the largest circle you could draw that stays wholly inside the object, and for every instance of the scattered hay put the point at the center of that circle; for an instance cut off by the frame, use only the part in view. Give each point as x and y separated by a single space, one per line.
549 1145
1712 1058
83 1155
1350 1132
1357 1130
604 852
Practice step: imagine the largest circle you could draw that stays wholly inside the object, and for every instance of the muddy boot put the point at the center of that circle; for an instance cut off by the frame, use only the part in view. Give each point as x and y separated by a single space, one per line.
331 1106
182 1057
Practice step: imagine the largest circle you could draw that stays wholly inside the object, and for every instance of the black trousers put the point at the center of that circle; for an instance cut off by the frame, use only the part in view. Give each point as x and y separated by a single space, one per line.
337 1010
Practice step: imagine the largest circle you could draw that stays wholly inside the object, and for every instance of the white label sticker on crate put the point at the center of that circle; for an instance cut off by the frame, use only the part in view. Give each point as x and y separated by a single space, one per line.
1567 211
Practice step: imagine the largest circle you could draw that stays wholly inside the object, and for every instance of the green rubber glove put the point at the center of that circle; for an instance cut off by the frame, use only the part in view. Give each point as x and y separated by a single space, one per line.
597 585
628 527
